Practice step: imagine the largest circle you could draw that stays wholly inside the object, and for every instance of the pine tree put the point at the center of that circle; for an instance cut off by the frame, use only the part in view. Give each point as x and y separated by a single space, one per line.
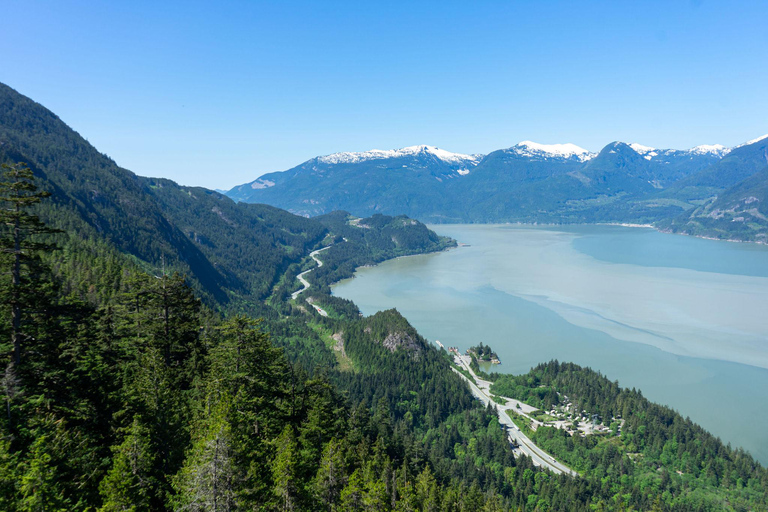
8 476
353 493
208 480
331 476
129 484
10 385
42 485
18 193
285 471
427 491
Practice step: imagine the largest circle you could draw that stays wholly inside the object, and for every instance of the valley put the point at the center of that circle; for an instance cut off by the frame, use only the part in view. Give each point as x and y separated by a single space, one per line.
383 256
163 365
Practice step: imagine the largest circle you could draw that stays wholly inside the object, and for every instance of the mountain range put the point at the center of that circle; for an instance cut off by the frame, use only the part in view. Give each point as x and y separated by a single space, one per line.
707 190
132 393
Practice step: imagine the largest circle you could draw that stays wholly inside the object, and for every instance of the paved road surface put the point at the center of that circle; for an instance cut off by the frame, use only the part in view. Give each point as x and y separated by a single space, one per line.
516 436
300 277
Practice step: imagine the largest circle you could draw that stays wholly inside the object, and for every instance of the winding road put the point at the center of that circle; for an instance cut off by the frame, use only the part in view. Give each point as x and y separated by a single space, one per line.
303 281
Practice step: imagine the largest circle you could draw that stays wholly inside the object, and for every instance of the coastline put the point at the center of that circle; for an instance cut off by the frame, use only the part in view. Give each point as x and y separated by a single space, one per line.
714 375
732 240
619 224
368 265
670 232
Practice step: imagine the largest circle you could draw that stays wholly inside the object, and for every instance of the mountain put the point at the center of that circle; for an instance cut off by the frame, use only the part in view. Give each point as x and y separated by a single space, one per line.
740 163
739 213
131 394
528 182
507 183
725 200
389 182
231 252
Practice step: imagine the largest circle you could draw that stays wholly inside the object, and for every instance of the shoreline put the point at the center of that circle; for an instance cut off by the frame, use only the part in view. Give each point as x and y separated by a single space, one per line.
731 240
618 224
354 272
689 367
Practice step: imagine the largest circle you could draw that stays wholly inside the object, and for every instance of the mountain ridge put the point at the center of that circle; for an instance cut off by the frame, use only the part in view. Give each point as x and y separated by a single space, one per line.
145 399
527 182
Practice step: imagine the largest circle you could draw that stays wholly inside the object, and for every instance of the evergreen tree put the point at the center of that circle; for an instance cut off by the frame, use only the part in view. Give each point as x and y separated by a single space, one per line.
286 486
18 193
331 477
208 480
353 494
427 492
130 485
43 486
8 476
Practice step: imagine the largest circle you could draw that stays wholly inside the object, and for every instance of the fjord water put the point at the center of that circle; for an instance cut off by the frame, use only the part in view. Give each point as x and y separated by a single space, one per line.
685 320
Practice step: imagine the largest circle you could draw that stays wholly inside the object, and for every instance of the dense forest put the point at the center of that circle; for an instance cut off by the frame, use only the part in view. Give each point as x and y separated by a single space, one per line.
158 364
149 400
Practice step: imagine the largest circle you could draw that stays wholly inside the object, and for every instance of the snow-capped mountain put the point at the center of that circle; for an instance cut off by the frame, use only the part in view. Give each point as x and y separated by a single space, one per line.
531 149
711 149
646 151
529 181
378 154
753 141
649 153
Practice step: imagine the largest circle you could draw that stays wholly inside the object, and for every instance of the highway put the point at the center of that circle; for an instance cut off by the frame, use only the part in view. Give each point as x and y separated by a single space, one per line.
303 281
516 436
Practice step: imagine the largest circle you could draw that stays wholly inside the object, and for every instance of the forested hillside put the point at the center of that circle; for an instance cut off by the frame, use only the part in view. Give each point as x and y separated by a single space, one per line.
233 254
148 400
370 241
137 375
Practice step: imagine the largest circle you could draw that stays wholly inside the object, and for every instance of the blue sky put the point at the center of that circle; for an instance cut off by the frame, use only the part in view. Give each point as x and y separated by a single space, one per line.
217 93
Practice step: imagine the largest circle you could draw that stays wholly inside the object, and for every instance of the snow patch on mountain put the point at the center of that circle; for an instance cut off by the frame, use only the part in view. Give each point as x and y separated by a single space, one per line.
650 153
259 184
753 141
710 149
643 150
379 154
534 149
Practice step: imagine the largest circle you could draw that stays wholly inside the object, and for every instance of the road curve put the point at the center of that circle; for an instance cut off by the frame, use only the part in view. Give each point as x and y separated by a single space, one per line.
300 277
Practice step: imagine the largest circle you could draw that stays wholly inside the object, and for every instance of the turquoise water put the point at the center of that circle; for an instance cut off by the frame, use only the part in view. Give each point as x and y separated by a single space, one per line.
682 319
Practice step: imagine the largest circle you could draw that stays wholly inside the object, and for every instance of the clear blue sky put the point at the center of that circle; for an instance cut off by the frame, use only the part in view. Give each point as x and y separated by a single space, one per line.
217 93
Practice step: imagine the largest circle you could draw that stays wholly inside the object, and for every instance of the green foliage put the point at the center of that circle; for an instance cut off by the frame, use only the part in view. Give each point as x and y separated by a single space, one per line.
141 389
19 193
129 483
482 352
209 477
